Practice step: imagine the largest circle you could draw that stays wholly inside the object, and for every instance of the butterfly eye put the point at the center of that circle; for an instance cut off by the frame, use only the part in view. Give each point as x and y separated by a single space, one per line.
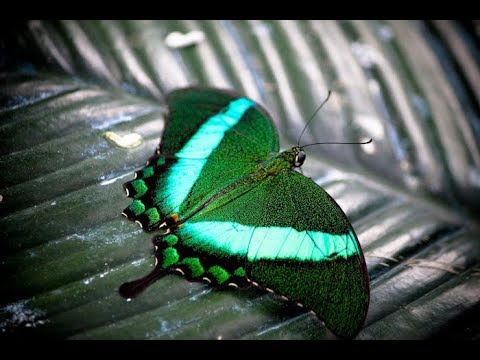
300 158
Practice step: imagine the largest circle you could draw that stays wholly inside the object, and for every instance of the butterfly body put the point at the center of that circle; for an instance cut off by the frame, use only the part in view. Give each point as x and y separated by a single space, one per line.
232 211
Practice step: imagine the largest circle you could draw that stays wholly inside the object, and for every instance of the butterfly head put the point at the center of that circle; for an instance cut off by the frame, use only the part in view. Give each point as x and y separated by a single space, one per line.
299 156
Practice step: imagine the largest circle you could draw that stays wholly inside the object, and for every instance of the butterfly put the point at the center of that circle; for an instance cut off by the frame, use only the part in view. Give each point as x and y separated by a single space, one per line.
231 210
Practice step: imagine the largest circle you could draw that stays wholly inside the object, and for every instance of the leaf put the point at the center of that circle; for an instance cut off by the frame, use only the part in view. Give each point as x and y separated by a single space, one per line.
412 196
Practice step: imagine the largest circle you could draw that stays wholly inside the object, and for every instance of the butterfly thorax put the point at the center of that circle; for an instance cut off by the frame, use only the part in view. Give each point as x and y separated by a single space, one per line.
279 162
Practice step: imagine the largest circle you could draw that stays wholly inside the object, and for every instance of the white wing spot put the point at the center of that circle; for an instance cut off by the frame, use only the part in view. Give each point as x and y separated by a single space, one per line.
179 271
139 223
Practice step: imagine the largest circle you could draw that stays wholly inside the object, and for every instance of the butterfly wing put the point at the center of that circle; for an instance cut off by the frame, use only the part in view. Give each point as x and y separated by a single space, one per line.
294 240
212 138
284 232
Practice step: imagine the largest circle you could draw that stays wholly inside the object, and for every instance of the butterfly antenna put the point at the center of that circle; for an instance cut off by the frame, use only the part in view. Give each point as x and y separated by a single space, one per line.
311 118
339 143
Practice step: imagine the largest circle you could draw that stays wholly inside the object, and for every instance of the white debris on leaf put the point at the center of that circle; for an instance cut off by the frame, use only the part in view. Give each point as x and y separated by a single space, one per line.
177 39
128 141
17 314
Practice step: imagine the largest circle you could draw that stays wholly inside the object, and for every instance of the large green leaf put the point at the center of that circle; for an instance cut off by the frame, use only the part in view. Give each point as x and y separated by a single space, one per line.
413 195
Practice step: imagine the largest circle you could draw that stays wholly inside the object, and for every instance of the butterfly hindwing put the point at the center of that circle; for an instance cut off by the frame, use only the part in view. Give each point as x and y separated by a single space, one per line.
173 255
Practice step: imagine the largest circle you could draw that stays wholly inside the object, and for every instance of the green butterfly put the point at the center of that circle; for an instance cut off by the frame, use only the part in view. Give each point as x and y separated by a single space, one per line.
234 212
